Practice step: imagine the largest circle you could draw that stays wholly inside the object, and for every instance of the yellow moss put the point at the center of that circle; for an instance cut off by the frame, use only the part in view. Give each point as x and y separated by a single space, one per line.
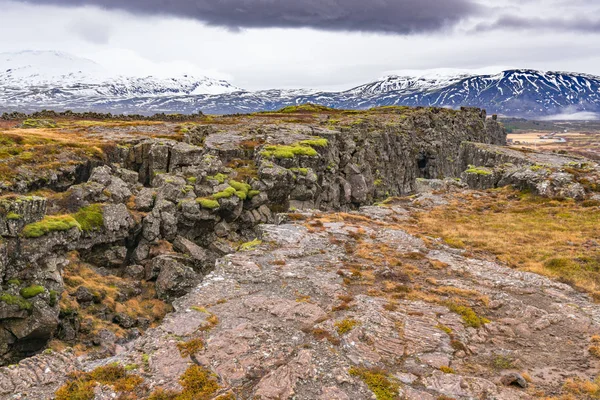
346 325
80 385
383 386
469 316
190 347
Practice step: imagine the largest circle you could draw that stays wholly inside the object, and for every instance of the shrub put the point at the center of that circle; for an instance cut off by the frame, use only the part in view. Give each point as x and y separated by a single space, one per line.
190 347
81 385
51 223
31 291
90 218
198 384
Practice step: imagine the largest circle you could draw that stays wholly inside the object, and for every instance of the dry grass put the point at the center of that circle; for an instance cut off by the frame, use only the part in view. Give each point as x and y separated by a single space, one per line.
548 237
107 290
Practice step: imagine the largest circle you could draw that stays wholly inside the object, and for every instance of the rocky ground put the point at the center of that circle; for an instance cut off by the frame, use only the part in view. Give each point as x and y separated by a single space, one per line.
187 261
348 306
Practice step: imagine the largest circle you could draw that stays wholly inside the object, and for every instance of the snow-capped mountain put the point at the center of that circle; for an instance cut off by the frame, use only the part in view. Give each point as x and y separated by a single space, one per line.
31 77
32 81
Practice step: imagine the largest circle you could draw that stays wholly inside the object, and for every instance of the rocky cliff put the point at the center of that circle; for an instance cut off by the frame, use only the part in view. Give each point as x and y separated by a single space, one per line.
96 263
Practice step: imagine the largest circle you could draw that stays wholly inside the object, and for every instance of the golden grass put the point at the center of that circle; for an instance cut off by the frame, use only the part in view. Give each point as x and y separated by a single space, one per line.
544 236
107 289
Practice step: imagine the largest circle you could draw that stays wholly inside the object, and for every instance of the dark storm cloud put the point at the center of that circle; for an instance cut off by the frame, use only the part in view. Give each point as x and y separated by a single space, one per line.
512 22
391 16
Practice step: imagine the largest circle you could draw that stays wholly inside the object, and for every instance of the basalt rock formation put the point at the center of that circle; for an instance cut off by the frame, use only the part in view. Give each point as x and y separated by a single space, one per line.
165 203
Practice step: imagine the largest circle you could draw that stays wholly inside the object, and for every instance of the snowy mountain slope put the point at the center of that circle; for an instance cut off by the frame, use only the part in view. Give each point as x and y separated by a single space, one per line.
32 81
34 76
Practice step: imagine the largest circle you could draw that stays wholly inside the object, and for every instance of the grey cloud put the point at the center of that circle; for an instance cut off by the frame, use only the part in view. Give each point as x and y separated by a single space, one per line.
388 16
535 23
96 32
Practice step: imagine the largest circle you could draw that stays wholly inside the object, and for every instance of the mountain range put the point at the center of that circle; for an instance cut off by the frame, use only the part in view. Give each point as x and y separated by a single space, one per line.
35 80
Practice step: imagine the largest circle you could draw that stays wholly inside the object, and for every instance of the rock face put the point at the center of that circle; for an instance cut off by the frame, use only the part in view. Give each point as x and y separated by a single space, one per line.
549 175
296 318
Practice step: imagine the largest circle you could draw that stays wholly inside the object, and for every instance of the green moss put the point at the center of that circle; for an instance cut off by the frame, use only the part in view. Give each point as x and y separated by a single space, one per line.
305 108
32 291
378 182
253 193
381 384
131 367
502 362
53 298
240 186
218 177
346 325
15 301
186 189
478 170
320 142
38 123
52 223
241 195
301 171
209 204
291 151
90 218
26 156
11 216
15 282
536 168
191 180
447 370
225 194
250 245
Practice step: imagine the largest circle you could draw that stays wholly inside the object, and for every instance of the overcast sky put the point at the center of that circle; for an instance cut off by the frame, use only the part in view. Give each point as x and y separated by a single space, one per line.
322 44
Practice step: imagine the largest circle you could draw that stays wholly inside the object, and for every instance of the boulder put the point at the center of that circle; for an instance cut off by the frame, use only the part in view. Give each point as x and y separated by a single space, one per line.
175 279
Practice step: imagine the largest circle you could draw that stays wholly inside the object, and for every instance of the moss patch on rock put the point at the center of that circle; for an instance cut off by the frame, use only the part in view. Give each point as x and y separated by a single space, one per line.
382 386
50 223
90 218
31 291
13 300
209 204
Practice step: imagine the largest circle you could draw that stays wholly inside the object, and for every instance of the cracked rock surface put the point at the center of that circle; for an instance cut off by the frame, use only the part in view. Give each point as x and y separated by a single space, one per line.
326 294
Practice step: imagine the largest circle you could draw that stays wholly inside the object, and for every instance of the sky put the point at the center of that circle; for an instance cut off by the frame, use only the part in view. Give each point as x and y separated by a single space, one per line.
319 44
